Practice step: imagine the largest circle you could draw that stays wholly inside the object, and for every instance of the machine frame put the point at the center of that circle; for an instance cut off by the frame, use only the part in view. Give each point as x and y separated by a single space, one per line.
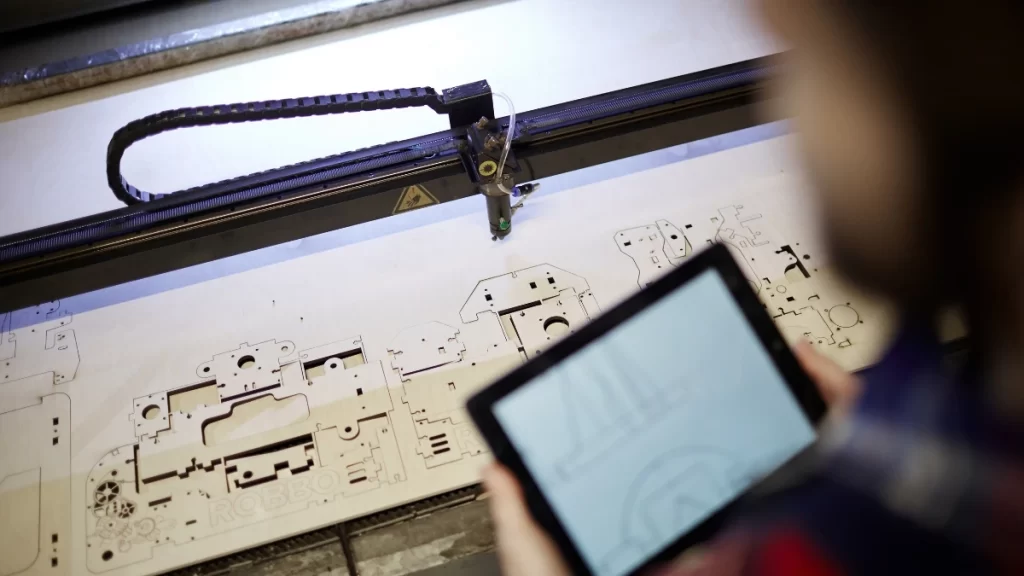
252 212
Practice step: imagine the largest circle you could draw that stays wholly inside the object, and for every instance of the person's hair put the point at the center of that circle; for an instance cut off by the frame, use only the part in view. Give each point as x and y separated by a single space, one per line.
957 67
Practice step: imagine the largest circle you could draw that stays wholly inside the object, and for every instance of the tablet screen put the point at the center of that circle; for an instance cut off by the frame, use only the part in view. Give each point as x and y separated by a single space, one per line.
650 429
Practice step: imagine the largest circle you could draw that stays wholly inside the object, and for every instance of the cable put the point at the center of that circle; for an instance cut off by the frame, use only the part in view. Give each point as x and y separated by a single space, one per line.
508 141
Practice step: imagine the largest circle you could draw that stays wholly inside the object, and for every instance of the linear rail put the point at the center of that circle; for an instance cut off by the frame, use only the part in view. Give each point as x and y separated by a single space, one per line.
243 214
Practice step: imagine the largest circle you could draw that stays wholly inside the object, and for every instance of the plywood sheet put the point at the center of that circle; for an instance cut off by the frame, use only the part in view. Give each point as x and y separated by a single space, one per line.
227 413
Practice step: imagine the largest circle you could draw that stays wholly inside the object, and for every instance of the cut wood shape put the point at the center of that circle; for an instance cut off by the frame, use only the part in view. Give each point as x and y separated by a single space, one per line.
424 347
783 274
510 317
254 416
367 460
646 246
296 457
739 226
677 245
322 434
538 327
151 415
248 369
436 397
36 341
806 323
741 240
35 488
437 400
655 249
484 337
503 294
555 301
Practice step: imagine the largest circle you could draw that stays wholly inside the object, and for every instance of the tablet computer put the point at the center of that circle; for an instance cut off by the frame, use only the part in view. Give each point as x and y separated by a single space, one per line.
633 436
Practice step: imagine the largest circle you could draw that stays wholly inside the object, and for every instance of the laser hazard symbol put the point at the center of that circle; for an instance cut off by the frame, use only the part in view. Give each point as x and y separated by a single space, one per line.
414 197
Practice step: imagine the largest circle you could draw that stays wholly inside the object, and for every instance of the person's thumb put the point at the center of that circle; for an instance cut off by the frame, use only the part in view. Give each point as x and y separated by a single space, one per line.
839 388
507 505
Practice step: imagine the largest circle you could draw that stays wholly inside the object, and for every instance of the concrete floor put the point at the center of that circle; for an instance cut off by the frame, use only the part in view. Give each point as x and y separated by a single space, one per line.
443 543
455 540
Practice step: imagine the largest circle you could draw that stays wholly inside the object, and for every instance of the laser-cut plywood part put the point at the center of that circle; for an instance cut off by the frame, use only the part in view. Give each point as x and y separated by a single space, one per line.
436 396
35 488
508 318
803 298
429 346
536 306
647 246
38 351
248 369
436 401
218 456
267 431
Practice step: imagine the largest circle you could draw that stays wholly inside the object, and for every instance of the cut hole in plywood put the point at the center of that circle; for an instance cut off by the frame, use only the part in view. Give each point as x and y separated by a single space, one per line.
316 368
255 417
151 412
189 399
556 326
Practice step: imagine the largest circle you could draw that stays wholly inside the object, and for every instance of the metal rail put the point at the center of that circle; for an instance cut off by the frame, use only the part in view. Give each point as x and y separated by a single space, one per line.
252 212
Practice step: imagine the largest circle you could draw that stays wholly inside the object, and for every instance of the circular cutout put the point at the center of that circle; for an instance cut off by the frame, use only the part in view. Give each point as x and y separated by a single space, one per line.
348 429
247 474
780 289
151 412
843 316
122 509
107 555
246 362
556 326
284 348
333 364
106 492
206 369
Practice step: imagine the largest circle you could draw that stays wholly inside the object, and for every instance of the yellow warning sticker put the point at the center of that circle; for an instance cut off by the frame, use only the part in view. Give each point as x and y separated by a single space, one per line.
414 197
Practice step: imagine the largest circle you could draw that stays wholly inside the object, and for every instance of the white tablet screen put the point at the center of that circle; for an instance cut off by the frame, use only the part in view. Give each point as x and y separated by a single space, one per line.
644 433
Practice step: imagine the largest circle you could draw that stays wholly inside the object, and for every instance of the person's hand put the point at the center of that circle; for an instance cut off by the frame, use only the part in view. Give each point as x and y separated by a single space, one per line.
524 549
839 388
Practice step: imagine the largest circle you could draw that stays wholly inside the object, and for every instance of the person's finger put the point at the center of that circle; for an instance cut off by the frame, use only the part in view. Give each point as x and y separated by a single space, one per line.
837 386
507 505
523 548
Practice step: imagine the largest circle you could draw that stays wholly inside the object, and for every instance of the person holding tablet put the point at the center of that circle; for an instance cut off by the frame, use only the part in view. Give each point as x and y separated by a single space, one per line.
909 116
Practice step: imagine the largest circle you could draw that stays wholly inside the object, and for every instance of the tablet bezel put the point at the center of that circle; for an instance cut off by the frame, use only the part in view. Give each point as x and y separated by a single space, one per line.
716 257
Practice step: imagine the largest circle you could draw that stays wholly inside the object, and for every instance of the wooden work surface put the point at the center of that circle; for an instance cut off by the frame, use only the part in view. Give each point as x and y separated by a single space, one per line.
213 409
229 412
